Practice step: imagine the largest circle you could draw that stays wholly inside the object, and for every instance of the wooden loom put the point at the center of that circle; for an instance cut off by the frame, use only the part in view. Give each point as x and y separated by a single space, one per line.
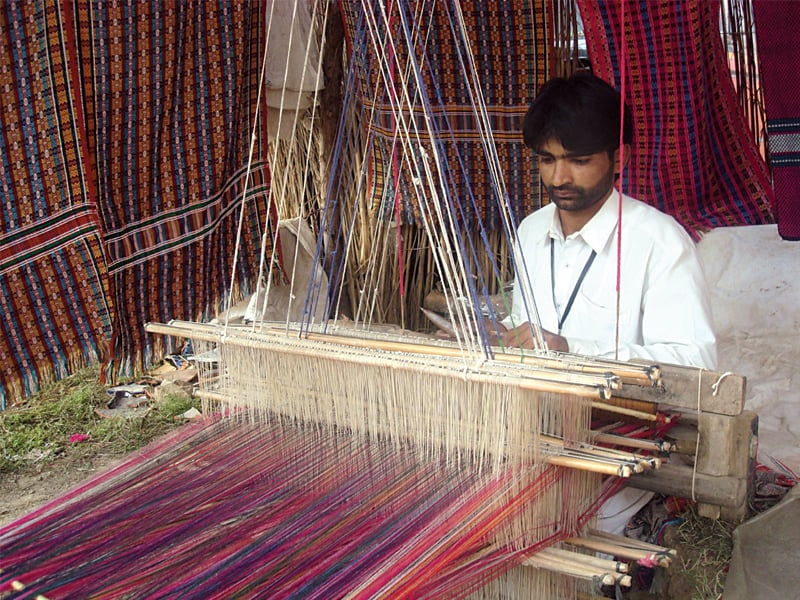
521 411
510 410
498 408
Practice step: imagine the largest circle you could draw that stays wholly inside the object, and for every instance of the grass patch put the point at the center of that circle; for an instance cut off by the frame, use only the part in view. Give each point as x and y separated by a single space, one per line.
706 549
38 432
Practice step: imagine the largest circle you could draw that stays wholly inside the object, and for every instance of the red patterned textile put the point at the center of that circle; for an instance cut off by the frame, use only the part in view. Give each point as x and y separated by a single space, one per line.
777 22
693 156
124 137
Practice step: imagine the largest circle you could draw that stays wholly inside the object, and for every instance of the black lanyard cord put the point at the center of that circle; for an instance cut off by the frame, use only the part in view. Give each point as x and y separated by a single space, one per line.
562 318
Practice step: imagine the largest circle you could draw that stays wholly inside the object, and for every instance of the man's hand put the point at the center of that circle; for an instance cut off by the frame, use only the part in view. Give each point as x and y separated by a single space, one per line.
522 337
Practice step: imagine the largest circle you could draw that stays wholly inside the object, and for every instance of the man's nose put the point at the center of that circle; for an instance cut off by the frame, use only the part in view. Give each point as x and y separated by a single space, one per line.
561 173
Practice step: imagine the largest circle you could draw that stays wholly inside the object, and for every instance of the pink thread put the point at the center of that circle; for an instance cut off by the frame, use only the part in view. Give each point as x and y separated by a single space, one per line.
649 562
622 53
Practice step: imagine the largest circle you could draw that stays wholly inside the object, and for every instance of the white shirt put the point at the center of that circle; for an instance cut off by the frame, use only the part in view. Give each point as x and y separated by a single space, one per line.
664 311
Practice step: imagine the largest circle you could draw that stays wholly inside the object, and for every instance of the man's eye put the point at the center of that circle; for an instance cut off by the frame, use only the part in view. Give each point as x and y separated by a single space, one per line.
545 160
580 160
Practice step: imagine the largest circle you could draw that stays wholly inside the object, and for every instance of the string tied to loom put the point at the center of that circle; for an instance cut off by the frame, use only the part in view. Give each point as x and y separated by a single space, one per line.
697 439
716 384
617 590
597 585
714 391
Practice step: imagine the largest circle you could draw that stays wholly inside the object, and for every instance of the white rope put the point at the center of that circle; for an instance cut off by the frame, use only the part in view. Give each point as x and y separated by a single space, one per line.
697 438
246 181
716 384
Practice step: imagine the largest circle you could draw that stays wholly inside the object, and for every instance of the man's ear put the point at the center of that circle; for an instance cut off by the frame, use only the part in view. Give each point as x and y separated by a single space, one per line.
626 152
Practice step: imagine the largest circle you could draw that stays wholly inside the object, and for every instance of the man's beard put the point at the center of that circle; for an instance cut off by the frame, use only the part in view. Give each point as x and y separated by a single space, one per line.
575 198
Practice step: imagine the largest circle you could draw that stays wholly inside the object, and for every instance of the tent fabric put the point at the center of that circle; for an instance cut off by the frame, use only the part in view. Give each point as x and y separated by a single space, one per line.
766 552
693 156
776 31
124 144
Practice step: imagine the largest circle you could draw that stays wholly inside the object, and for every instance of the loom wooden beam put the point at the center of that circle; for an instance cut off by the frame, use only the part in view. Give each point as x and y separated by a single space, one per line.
544 379
688 388
676 480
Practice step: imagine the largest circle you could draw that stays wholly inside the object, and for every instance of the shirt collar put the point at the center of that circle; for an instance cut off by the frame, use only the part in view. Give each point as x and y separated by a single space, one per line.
598 230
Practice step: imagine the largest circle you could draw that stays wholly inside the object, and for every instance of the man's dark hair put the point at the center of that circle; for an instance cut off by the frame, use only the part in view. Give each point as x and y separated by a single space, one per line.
581 113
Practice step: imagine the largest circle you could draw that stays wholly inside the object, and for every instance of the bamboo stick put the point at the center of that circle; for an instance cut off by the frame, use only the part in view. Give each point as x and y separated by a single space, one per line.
630 373
573 567
214 334
613 549
603 564
636 462
661 446
616 470
616 372
630 542
638 414
534 382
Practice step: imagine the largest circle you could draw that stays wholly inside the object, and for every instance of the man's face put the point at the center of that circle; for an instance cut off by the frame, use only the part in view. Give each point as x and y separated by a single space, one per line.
575 182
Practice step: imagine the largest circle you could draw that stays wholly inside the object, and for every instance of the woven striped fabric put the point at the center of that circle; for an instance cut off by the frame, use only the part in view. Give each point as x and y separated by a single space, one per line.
508 44
776 30
172 101
57 311
124 145
693 156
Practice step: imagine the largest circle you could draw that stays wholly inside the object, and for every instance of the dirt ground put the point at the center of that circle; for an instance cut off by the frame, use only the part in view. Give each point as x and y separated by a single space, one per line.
21 493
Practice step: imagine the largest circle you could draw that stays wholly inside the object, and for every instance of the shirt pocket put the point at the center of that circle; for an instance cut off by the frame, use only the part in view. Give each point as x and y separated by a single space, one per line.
595 316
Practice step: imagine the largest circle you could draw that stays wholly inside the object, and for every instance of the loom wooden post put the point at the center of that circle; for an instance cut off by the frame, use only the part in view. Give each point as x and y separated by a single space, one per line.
728 448
676 480
717 432
689 388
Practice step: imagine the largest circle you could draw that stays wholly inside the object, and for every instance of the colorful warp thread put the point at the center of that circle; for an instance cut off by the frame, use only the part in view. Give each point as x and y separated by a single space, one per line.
693 156
225 509
124 145
776 30
508 43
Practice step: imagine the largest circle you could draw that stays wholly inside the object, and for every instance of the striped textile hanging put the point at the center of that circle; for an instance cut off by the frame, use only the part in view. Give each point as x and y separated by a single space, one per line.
171 99
124 145
57 309
692 156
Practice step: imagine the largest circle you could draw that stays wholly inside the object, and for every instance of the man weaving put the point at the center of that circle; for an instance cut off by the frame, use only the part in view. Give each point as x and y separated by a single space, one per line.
567 250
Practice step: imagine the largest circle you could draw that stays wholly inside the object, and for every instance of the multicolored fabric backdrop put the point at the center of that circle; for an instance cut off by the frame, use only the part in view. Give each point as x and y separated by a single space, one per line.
693 156
124 140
